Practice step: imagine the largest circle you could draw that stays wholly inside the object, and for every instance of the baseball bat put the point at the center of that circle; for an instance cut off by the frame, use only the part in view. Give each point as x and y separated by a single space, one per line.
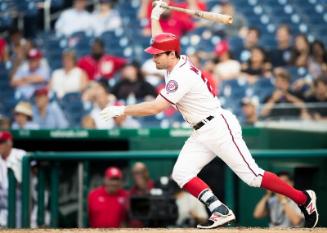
216 17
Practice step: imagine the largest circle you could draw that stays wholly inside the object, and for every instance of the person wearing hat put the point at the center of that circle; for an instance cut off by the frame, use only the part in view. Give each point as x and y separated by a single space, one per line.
23 117
249 110
32 76
9 158
48 115
107 204
105 18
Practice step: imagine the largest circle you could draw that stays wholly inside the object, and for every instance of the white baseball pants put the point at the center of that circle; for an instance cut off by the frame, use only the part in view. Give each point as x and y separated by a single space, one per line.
221 137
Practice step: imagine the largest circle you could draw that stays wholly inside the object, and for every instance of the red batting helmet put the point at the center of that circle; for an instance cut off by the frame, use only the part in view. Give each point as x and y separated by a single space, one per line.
164 42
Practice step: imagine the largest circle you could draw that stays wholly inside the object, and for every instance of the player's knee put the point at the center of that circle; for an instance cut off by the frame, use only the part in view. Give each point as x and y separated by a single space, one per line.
177 176
253 181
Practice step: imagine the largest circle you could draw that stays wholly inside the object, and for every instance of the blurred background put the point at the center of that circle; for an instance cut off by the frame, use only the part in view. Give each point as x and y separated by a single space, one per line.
62 61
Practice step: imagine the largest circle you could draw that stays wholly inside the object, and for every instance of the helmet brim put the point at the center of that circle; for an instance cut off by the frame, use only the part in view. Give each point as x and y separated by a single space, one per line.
153 51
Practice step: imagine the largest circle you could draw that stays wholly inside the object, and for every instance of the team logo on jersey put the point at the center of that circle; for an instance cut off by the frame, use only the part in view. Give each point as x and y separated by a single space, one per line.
171 86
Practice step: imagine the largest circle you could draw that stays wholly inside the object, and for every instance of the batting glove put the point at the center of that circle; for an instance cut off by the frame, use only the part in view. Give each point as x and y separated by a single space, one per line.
158 9
112 111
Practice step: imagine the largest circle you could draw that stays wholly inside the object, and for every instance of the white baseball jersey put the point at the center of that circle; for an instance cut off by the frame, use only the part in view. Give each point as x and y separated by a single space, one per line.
190 92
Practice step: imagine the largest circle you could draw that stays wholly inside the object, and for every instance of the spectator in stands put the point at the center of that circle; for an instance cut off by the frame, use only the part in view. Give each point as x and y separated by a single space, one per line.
239 22
102 99
141 178
281 56
107 205
124 121
249 111
99 65
284 95
4 122
257 66
318 59
10 157
132 87
48 115
319 98
227 68
282 211
75 19
3 50
250 41
105 18
23 117
301 52
70 78
88 122
31 76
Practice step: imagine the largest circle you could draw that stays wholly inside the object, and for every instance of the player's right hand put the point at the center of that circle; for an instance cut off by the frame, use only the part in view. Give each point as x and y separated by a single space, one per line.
112 111
157 10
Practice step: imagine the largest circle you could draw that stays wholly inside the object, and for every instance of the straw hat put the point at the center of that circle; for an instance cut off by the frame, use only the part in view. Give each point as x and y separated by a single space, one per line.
24 108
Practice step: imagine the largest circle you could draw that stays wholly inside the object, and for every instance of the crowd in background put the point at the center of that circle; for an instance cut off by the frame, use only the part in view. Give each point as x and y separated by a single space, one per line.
100 79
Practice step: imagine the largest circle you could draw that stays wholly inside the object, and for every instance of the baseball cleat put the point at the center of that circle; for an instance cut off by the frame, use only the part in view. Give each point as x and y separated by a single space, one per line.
218 219
309 209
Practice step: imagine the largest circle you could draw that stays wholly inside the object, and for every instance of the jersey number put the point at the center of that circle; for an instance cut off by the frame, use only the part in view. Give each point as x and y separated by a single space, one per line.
205 80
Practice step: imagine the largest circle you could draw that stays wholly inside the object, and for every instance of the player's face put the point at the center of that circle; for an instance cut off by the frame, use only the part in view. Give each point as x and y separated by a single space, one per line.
161 60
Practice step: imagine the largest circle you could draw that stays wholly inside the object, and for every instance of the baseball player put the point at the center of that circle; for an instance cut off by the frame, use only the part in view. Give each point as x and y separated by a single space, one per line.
216 132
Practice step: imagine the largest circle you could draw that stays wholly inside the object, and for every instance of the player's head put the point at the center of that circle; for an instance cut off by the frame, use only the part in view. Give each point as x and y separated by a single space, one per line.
165 48
5 143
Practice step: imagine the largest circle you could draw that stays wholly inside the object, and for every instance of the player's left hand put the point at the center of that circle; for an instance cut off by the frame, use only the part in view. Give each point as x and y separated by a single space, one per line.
112 111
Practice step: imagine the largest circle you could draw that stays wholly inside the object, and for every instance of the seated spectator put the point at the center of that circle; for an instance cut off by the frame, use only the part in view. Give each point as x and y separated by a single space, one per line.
318 59
142 181
283 94
4 123
251 40
227 68
99 65
102 99
23 116
105 18
107 205
68 79
257 66
249 111
48 115
281 56
318 98
75 19
301 52
132 85
31 76
282 211
10 157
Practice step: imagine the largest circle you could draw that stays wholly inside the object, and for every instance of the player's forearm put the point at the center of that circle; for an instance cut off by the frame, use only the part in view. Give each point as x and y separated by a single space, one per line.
155 27
142 109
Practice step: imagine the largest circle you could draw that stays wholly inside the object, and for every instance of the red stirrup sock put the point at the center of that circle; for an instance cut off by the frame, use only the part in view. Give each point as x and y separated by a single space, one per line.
195 186
273 183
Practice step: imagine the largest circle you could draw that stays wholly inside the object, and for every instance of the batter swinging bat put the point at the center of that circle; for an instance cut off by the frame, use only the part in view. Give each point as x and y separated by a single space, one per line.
219 18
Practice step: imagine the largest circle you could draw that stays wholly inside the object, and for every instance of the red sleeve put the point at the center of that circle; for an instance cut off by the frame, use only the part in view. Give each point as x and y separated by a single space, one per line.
86 64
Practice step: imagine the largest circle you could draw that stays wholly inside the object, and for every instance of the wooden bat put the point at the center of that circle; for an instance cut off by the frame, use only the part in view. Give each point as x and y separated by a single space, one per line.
219 18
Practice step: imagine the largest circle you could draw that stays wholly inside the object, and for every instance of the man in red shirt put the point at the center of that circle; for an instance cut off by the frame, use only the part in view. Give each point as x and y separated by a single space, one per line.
107 205
99 65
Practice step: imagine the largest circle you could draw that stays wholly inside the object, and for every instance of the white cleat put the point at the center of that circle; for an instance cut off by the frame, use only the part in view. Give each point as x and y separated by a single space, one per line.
309 209
217 219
